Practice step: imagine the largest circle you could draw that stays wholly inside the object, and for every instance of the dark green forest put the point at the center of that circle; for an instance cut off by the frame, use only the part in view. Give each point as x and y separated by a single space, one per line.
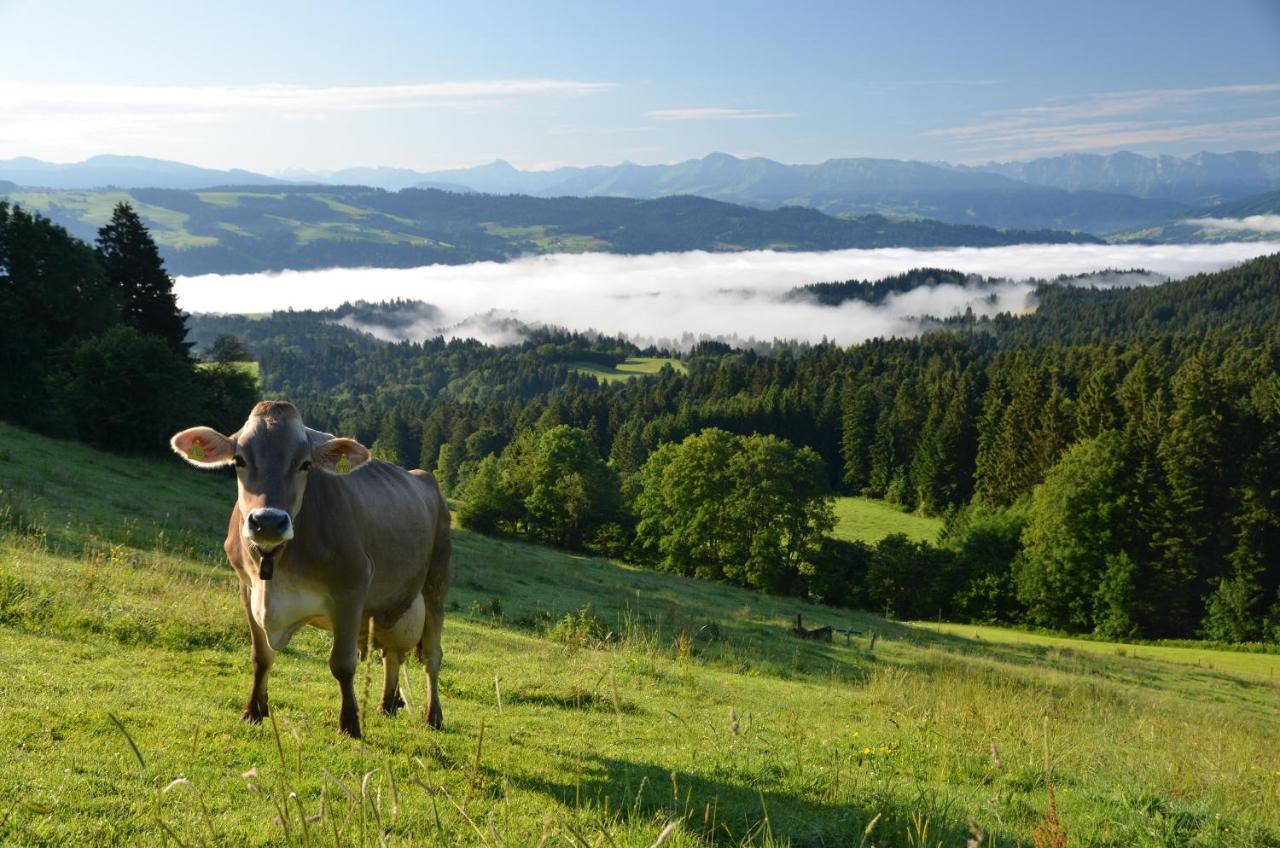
1106 464
94 346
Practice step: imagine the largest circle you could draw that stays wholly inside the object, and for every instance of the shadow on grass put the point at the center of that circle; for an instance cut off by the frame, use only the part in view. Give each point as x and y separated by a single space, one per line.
724 811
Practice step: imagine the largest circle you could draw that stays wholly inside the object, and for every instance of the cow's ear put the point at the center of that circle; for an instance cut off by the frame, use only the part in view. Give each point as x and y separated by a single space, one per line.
204 447
340 455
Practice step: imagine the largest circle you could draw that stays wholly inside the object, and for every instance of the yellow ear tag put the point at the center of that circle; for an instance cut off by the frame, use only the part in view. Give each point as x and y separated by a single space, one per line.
197 450
343 465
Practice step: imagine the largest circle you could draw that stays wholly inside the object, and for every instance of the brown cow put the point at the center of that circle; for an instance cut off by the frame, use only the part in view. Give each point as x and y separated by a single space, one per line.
312 546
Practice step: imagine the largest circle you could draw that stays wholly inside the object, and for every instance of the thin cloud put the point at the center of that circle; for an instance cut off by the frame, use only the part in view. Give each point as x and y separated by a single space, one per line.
1118 119
19 97
715 113
75 118
668 297
1250 223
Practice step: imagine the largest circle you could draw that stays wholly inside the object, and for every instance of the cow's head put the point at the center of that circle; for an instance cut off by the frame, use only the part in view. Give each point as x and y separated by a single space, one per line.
272 453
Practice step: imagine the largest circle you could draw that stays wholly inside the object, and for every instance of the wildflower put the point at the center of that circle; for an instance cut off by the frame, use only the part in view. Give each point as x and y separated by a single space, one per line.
866 752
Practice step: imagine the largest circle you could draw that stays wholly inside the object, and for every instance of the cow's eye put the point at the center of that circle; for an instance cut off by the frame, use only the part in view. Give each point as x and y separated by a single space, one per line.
240 463
305 466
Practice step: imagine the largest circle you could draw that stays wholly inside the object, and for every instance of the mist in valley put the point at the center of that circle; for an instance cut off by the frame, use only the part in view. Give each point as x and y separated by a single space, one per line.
674 299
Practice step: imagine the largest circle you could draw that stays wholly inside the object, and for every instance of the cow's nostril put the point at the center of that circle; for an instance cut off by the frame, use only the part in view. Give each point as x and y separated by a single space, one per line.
254 525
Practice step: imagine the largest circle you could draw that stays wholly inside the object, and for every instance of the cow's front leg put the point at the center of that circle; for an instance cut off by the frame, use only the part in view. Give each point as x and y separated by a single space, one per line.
256 709
342 662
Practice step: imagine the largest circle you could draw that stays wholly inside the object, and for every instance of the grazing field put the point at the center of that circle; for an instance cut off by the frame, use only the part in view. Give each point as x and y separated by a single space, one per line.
634 366
585 703
867 520
1237 663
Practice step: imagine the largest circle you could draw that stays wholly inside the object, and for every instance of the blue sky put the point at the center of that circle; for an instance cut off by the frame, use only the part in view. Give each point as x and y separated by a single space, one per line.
277 85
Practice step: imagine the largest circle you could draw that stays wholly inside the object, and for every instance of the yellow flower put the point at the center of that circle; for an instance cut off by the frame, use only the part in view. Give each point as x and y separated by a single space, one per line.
866 752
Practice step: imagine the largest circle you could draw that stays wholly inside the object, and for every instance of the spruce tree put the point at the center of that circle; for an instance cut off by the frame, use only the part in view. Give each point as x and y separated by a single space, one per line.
135 270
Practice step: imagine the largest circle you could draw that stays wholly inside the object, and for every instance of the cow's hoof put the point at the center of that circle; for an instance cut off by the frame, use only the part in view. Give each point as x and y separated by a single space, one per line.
435 718
253 715
349 726
390 706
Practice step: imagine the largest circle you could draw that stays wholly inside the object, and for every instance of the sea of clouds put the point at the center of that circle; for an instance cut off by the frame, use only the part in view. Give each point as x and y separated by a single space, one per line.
675 297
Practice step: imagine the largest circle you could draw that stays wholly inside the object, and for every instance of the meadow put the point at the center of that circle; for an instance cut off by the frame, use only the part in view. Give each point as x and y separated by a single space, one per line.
868 520
586 703
629 369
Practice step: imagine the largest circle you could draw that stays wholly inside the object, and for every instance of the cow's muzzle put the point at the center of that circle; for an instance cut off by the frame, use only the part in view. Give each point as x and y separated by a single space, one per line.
268 527
268 530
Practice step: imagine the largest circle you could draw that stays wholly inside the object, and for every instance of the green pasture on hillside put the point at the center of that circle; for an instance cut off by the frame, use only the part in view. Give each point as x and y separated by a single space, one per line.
586 703
632 367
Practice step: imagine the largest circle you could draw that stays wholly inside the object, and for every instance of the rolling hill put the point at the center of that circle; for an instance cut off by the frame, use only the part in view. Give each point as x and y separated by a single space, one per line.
1246 219
248 229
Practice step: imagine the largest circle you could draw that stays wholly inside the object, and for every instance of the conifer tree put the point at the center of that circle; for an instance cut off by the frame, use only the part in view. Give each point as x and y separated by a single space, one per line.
133 266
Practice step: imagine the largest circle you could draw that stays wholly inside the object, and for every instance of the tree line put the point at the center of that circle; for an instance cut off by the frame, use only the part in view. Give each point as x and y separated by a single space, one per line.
94 346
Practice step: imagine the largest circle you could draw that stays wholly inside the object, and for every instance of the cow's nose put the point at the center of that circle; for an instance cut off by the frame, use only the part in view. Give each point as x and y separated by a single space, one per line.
269 522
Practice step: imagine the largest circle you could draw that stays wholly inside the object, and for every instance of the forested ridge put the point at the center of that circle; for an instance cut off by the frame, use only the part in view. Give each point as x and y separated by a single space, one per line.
263 228
1105 464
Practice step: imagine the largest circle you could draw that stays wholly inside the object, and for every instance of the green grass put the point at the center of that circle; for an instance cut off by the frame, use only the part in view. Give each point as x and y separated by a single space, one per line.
232 198
867 520
671 701
634 366
1237 663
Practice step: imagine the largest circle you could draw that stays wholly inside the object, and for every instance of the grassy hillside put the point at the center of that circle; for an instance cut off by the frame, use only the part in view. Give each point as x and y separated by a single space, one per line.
634 366
276 227
669 701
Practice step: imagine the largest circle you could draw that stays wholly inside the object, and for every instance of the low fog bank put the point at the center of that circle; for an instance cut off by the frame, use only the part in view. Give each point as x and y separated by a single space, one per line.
666 298
1251 223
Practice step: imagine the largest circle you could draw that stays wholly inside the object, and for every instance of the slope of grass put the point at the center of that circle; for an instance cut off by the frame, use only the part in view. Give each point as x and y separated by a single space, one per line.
868 520
1236 663
668 701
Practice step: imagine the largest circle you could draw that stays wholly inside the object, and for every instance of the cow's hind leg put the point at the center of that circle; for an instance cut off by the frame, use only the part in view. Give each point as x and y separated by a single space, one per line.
398 639
256 709
439 572
432 655
391 699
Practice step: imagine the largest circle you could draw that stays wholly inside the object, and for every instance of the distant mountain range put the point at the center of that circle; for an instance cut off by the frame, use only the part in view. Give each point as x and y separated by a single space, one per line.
1098 194
1121 192
1200 180
123 172
276 227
